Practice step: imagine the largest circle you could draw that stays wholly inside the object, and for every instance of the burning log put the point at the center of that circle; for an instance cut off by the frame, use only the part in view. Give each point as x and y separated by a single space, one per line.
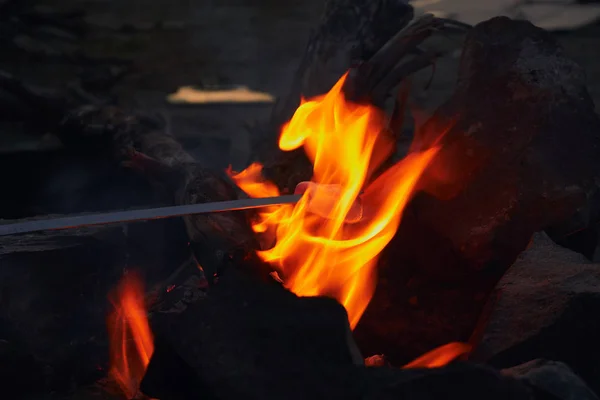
519 154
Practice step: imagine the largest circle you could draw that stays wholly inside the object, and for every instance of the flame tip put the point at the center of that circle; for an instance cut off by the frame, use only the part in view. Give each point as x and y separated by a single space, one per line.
313 242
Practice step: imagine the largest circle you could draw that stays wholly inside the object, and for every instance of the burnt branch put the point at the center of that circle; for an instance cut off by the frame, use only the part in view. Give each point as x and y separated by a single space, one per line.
140 143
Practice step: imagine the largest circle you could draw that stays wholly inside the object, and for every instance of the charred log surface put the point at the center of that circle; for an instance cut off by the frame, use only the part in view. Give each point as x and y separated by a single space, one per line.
140 143
521 154
544 312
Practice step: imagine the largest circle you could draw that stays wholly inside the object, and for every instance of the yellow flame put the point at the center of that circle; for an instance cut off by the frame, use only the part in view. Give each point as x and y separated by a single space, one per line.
319 253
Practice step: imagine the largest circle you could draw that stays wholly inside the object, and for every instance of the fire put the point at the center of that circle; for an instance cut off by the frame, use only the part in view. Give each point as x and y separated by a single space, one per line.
317 252
440 356
131 340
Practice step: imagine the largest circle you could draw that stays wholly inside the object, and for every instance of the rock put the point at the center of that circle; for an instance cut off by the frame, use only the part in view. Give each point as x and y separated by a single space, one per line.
546 310
522 152
554 378
500 178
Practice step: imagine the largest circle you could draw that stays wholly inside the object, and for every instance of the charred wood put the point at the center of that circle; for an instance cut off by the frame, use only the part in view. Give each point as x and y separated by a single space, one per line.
140 143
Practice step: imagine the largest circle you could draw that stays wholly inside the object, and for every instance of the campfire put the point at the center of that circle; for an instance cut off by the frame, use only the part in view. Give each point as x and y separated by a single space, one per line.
328 243
451 263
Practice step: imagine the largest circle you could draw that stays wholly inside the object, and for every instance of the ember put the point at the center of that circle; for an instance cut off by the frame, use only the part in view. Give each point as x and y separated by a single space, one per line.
316 252
131 341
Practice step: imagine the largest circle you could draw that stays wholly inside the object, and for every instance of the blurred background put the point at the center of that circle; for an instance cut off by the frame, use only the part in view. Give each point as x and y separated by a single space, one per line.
168 57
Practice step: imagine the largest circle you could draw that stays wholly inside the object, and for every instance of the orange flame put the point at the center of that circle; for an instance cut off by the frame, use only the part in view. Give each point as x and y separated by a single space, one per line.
440 356
319 253
131 341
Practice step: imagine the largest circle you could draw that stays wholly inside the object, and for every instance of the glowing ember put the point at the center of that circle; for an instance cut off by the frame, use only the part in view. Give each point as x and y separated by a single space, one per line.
318 253
131 341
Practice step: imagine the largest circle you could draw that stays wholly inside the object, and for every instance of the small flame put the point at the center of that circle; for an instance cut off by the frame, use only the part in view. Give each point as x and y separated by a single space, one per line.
319 253
131 340
440 356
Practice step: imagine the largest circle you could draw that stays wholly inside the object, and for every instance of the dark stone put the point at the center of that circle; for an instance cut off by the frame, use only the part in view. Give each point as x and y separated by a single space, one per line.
522 153
552 378
546 310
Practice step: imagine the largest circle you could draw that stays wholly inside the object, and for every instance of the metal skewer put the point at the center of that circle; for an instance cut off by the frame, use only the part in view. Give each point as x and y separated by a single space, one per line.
115 217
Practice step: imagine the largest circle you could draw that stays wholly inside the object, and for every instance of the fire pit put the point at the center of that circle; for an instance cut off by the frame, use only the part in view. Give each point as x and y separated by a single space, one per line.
457 269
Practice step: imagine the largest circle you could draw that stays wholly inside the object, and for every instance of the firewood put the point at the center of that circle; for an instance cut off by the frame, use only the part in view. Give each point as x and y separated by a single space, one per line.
139 143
